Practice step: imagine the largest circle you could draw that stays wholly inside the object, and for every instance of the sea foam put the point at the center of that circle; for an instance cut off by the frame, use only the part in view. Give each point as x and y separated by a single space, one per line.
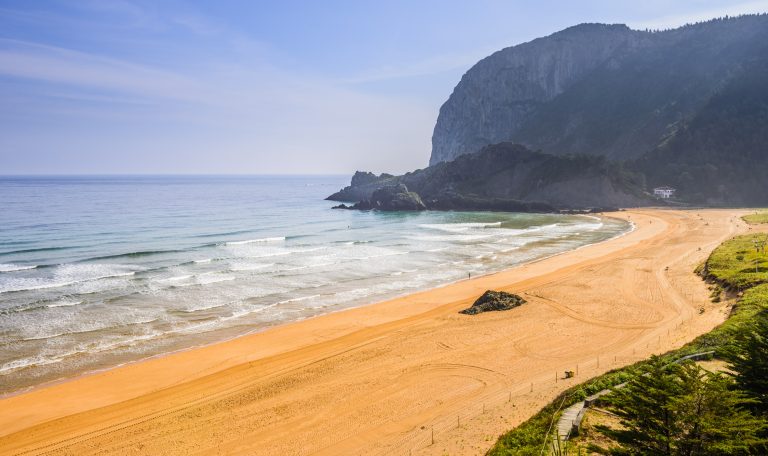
257 241
15 267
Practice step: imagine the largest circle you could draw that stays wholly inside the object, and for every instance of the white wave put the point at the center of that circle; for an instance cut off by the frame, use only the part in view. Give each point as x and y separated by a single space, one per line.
381 255
65 303
569 228
89 329
14 267
257 241
299 299
206 260
280 252
452 237
66 275
237 267
252 310
406 271
180 278
200 308
22 363
42 360
43 337
206 278
541 227
213 277
307 266
458 227
41 284
244 312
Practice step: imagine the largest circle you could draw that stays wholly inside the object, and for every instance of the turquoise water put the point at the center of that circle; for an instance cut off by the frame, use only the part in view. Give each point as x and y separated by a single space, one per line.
98 271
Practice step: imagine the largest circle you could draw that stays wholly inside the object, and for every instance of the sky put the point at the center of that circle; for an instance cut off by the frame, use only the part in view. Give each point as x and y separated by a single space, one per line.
260 87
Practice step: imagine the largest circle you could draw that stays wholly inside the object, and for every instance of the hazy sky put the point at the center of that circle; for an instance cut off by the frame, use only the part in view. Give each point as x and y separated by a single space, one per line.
172 86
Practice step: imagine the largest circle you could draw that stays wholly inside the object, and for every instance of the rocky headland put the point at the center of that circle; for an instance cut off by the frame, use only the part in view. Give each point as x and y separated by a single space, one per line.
502 177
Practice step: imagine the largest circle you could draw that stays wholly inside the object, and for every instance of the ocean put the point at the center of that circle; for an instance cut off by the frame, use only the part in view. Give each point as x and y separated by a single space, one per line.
99 271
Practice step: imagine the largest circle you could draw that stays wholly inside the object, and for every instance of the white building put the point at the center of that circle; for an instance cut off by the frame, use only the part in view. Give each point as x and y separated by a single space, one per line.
664 192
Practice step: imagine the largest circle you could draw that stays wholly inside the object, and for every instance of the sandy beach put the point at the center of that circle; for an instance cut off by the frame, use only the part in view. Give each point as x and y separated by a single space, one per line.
405 376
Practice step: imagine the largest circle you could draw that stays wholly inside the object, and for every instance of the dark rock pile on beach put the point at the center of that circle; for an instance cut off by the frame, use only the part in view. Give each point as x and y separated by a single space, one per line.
494 300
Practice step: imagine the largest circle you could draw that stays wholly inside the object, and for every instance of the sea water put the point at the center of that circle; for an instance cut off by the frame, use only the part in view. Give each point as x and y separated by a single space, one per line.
99 271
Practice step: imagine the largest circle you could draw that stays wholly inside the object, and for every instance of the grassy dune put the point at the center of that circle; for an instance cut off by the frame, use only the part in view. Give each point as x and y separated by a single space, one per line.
761 216
731 266
738 263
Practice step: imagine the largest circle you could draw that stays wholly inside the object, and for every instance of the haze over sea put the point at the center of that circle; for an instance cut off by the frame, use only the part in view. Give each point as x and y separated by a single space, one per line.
99 271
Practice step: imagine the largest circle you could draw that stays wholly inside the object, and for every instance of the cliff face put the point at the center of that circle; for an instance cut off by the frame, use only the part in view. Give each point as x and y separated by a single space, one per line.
617 112
497 95
598 89
509 177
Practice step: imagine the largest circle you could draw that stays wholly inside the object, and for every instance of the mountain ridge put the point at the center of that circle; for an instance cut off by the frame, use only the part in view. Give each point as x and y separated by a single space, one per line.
630 110
596 89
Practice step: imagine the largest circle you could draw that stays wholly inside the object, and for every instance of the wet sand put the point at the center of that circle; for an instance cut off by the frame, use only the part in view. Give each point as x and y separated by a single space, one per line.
386 378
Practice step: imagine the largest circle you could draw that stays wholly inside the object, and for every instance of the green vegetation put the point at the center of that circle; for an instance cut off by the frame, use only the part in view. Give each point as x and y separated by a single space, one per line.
700 404
749 359
532 435
740 263
682 410
761 216
717 154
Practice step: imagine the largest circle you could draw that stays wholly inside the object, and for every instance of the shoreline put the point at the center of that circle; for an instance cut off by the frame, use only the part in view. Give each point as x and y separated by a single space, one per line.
158 383
95 371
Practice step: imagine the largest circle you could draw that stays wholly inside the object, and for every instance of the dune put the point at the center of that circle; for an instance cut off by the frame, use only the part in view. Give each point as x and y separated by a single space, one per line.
406 376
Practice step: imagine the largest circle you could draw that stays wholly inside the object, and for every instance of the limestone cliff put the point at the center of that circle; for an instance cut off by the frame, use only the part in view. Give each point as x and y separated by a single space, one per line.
500 92
610 91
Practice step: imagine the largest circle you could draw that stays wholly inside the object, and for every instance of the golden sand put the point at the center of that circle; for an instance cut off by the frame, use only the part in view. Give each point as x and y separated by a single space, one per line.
393 377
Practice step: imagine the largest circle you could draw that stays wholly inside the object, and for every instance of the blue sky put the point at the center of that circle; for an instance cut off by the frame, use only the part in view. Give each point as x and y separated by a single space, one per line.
257 87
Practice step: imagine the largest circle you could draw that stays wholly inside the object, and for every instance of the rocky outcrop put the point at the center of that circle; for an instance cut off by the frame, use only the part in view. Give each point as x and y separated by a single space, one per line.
389 198
364 178
610 91
362 186
512 178
494 301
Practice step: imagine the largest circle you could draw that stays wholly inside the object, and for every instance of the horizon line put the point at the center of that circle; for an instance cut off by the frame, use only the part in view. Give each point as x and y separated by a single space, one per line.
175 174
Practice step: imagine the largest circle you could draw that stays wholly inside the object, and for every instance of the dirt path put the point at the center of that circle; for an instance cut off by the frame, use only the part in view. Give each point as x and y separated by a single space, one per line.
383 379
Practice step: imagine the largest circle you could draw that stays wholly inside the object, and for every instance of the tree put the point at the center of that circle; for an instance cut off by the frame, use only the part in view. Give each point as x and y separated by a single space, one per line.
645 407
710 415
683 410
748 360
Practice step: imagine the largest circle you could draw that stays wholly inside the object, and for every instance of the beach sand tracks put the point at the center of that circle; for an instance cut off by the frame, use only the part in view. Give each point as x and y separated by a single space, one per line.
381 387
